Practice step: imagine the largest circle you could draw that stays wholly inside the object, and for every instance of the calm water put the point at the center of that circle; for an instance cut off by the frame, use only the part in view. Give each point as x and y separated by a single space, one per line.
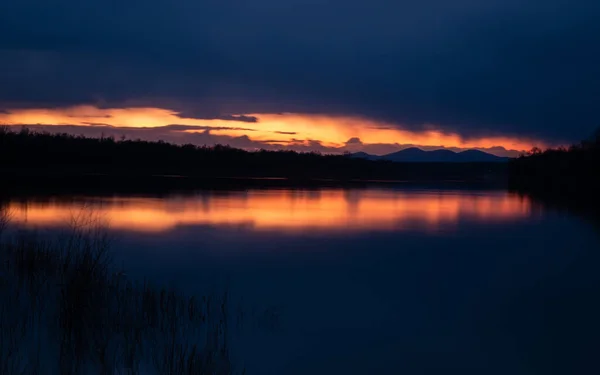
374 281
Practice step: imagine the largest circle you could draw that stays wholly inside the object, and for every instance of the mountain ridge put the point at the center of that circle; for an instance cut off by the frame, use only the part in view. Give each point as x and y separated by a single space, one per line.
417 155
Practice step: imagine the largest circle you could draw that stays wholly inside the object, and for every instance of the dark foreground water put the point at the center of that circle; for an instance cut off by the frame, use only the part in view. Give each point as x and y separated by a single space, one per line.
370 281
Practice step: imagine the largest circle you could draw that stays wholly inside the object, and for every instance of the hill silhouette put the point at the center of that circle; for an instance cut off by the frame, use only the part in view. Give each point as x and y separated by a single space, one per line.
416 155
27 153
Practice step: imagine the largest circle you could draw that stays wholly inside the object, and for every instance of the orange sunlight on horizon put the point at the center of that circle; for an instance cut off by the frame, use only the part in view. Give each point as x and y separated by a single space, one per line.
332 131
284 210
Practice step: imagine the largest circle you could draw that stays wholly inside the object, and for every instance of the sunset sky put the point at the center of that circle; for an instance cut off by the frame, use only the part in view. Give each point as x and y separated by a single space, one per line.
309 75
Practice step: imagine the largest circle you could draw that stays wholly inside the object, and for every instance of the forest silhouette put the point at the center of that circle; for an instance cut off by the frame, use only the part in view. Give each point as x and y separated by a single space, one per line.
566 172
563 178
25 154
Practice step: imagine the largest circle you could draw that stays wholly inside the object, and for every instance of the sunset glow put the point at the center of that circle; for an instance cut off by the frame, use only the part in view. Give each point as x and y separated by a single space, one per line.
282 210
286 128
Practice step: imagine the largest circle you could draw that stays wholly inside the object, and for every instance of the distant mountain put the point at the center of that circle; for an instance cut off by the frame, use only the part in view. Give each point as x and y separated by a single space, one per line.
416 155
476 155
364 155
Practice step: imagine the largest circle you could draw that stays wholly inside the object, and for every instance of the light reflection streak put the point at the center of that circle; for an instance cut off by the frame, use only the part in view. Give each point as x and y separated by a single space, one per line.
285 210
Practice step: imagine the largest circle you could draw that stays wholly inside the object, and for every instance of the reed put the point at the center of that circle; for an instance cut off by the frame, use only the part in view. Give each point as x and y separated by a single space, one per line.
67 309
4 218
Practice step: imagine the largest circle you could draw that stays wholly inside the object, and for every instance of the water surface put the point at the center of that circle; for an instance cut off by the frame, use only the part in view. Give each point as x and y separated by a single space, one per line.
327 211
386 281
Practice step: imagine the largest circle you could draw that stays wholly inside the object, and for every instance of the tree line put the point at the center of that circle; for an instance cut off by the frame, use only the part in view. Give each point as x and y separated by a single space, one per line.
568 172
30 153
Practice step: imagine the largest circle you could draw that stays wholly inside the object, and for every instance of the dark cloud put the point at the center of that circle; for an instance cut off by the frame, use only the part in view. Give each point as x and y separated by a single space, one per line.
242 118
381 127
285 133
86 116
354 141
497 67
178 127
95 123
199 115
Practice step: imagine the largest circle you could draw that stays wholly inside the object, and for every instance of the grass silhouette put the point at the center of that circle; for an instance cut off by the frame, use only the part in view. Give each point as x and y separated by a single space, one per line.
67 310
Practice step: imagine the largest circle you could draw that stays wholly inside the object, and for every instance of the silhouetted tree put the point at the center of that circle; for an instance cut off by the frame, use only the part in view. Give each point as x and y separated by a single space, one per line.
535 151
569 172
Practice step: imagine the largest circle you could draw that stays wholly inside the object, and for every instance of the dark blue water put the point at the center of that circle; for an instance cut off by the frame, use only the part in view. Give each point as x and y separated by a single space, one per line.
380 281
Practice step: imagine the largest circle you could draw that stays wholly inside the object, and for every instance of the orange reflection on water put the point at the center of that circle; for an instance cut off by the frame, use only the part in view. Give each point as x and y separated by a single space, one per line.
285 210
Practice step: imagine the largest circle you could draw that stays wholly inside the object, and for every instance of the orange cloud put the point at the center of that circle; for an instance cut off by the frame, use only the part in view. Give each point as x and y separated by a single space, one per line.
331 131
336 130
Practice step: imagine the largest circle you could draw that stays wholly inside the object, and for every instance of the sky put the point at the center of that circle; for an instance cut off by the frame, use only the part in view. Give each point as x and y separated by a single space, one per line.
309 75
